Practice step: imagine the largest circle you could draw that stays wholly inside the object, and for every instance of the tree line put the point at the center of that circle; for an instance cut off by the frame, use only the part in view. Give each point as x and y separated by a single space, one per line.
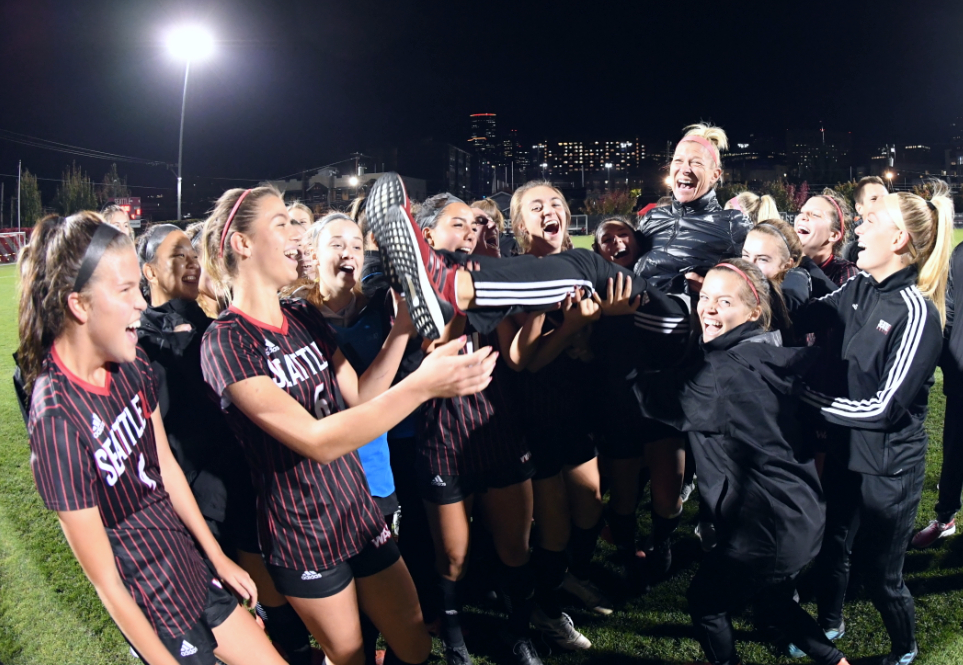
76 191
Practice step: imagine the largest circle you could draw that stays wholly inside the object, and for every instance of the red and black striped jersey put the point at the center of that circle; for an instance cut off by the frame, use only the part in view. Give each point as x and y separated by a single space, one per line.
475 433
94 446
312 516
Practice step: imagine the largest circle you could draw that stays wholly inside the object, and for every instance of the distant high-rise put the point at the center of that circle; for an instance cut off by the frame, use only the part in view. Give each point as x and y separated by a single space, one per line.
483 133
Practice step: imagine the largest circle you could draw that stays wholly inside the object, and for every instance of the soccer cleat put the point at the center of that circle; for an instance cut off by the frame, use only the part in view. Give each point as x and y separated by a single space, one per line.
687 489
658 560
706 532
900 659
398 243
524 652
561 631
832 634
930 534
457 656
588 593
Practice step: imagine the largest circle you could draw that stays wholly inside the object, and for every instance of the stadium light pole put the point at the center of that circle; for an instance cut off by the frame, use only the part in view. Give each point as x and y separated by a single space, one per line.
187 43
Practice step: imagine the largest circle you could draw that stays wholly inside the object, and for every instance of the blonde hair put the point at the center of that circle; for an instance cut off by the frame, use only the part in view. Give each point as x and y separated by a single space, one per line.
753 206
518 222
761 297
489 207
297 205
930 228
222 268
714 135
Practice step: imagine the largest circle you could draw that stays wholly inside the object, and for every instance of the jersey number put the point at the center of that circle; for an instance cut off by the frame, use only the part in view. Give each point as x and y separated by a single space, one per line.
322 407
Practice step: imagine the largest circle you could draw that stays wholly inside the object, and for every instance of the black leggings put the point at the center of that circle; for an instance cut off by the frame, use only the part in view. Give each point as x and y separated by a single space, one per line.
528 284
722 586
883 509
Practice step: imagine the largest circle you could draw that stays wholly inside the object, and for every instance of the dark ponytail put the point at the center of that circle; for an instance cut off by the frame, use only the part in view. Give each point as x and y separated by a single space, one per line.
48 271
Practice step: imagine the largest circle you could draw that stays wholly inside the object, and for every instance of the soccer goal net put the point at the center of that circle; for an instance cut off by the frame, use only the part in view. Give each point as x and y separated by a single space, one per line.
10 246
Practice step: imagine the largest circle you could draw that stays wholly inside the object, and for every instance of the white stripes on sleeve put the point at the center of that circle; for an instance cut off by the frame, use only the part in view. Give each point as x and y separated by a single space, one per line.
905 353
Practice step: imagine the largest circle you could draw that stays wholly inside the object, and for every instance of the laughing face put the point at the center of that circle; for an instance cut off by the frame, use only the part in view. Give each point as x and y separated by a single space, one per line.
340 252
486 233
270 249
693 171
454 229
175 270
617 243
814 227
721 304
880 242
545 220
113 305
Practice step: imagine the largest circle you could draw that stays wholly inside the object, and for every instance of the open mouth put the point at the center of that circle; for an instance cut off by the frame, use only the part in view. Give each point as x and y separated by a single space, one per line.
190 279
293 254
131 331
802 231
685 185
347 268
551 227
711 328
466 249
621 254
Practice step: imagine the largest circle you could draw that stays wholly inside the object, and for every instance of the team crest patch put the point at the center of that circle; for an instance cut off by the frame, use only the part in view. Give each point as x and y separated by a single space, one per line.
97 426
883 327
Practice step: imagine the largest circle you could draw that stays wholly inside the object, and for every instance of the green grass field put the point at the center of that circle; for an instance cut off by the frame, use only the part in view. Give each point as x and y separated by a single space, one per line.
50 615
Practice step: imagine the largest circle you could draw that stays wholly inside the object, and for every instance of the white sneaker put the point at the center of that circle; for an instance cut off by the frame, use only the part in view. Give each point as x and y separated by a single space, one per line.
588 593
561 631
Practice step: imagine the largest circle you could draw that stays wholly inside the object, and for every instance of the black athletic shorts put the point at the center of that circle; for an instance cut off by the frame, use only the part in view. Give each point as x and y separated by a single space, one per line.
442 489
378 555
553 450
197 645
622 443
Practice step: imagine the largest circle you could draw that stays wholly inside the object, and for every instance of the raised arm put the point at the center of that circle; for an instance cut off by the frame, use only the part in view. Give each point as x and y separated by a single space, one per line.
443 373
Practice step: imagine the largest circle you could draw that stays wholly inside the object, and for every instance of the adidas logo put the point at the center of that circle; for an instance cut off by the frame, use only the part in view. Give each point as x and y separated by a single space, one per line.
438 482
310 575
97 426
270 347
187 649
524 458
855 305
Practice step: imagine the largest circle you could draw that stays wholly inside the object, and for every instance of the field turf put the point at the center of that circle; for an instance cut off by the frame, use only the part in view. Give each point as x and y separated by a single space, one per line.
50 614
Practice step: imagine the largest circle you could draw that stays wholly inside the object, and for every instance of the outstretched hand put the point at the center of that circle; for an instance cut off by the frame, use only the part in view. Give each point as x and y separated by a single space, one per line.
618 298
445 373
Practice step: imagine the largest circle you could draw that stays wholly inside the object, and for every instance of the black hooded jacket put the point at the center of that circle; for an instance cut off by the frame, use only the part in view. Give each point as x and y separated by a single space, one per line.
738 405
198 434
688 237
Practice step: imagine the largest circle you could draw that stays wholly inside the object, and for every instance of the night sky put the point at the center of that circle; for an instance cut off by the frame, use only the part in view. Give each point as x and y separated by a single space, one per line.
294 85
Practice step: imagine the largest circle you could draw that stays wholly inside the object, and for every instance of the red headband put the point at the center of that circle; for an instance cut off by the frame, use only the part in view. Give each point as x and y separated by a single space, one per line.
705 143
230 218
839 211
744 276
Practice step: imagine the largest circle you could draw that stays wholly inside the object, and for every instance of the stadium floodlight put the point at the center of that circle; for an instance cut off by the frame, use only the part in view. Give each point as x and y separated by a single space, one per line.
188 43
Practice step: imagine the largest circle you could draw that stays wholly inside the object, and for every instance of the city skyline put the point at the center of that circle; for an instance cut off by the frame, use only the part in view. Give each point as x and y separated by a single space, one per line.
298 85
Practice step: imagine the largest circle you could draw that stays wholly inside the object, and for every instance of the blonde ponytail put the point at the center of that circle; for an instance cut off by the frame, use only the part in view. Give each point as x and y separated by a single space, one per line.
930 227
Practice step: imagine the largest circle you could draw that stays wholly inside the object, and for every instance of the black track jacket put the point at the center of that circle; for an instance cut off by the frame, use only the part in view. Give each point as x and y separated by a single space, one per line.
739 407
892 339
